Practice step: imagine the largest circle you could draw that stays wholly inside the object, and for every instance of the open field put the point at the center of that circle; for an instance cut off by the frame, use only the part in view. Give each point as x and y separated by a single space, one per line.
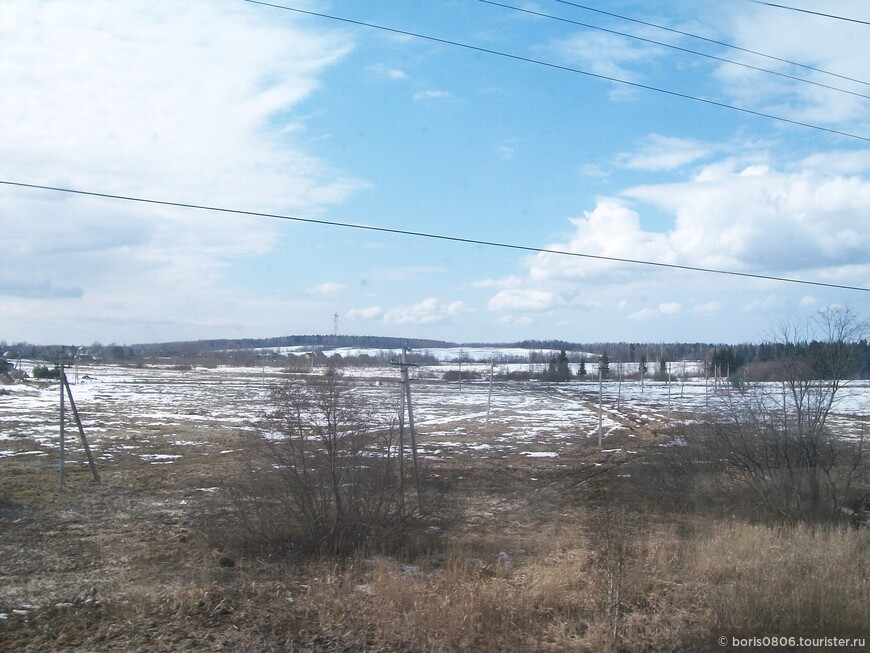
549 551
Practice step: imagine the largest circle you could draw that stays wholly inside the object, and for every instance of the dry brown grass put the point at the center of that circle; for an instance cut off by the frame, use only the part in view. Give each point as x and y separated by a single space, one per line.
123 567
794 580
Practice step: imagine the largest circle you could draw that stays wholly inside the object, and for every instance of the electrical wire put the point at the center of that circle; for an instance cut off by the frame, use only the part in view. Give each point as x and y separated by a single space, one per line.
547 64
814 13
713 41
428 235
675 47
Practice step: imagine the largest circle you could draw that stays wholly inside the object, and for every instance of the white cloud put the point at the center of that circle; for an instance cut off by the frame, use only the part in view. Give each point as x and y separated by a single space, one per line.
409 272
592 170
115 98
643 315
515 320
762 220
732 215
838 46
368 313
605 54
431 95
523 300
665 153
393 74
429 311
610 230
328 288
505 282
708 308
766 304
650 313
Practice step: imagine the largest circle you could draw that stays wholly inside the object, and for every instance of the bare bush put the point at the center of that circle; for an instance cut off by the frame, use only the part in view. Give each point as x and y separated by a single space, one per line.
324 477
776 440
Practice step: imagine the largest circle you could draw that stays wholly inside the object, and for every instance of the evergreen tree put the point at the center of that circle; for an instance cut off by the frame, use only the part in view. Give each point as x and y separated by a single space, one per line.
604 365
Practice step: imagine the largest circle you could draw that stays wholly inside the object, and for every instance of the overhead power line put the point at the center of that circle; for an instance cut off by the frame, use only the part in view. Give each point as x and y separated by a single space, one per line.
814 13
547 64
431 236
714 41
674 47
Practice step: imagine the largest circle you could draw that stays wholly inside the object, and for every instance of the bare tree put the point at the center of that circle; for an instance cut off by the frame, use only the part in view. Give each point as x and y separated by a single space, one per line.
775 437
323 477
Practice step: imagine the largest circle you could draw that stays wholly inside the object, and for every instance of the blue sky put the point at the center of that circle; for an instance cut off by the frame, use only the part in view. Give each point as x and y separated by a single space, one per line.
244 106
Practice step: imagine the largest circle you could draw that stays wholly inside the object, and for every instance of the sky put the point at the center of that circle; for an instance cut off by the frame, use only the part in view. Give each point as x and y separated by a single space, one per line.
544 125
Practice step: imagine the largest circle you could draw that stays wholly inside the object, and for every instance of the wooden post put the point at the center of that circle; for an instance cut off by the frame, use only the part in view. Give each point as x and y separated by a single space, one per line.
406 398
87 448
489 397
400 481
407 382
619 390
62 453
600 403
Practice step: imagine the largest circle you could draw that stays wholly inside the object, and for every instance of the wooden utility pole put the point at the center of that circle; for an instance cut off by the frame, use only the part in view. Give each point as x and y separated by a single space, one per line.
85 445
600 406
406 400
62 453
65 387
489 396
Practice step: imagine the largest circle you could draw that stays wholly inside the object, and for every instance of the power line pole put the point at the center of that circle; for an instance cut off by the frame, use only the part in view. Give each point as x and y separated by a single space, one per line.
489 397
87 448
600 405
65 387
406 400
62 453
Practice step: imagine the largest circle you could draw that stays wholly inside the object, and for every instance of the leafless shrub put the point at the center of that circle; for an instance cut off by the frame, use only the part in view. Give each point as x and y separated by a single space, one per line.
774 440
324 477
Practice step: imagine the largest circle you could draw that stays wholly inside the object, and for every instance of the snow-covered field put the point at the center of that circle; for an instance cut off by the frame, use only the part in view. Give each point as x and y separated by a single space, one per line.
159 413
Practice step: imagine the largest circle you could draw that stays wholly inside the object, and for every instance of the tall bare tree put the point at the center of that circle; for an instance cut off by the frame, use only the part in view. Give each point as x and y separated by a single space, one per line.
776 438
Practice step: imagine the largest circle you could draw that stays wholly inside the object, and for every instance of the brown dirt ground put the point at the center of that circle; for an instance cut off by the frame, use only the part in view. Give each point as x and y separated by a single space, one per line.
124 565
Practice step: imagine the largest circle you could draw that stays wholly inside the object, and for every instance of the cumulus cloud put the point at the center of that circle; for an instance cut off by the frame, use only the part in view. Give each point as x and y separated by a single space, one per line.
429 311
368 313
610 230
515 320
750 219
763 220
524 300
505 282
731 215
643 315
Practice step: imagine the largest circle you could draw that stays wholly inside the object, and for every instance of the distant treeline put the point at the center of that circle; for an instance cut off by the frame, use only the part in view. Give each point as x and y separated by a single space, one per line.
221 350
725 359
